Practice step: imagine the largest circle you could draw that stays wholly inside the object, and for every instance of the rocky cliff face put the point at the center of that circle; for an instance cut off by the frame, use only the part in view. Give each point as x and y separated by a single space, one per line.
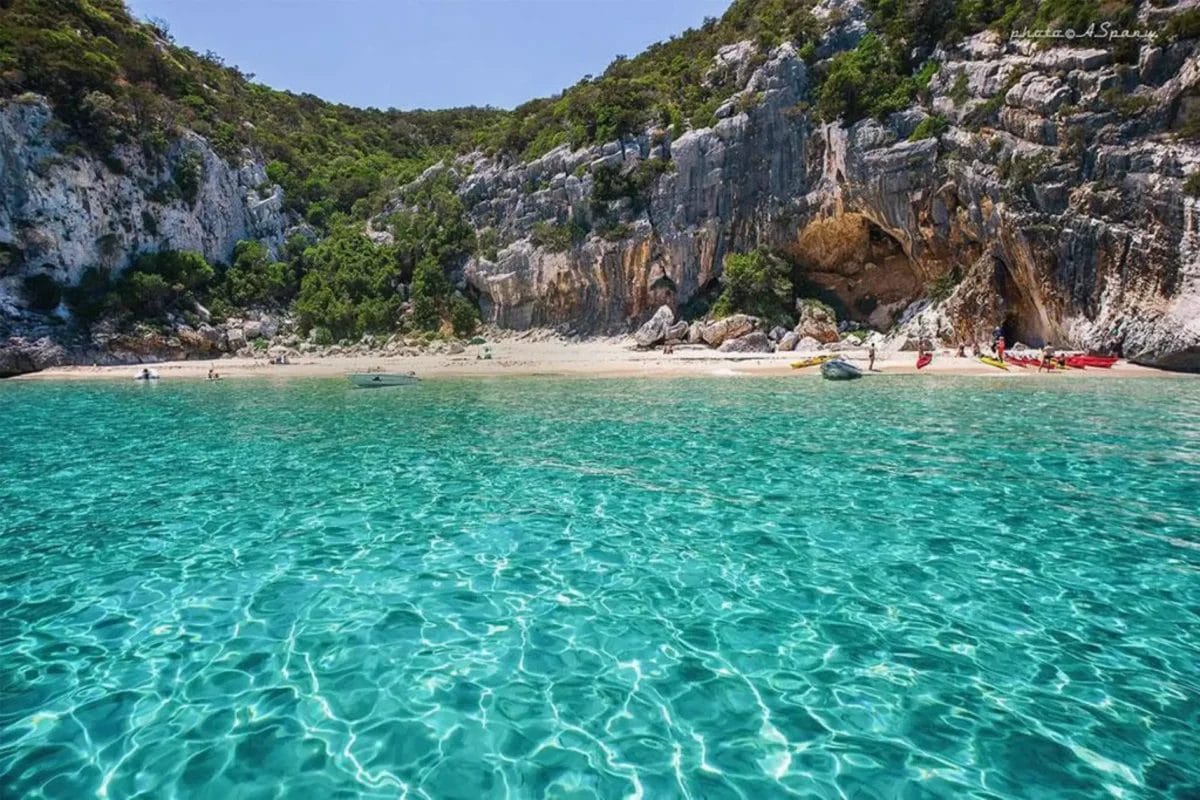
63 210
1037 189
1051 204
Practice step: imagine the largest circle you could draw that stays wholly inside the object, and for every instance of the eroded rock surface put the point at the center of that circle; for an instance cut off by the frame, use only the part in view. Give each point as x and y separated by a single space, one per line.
1041 208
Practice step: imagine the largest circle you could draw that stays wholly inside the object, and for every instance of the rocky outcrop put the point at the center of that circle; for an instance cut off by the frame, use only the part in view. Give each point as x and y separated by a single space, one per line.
754 342
1047 206
731 327
19 355
64 209
655 329
787 342
817 321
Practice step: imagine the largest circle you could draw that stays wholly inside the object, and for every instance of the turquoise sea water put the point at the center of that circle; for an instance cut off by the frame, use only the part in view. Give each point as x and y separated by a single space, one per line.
902 587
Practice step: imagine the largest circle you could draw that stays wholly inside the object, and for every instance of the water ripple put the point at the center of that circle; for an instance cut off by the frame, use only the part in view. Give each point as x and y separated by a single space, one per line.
601 589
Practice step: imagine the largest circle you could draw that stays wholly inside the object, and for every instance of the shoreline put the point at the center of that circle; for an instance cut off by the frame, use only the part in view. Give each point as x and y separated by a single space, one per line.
555 358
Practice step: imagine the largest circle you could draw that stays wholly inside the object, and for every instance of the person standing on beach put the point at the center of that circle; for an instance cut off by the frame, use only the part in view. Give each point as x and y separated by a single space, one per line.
1000 348
871 358
1047 357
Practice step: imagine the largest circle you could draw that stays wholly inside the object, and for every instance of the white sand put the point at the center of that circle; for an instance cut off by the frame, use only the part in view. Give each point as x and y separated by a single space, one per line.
597 358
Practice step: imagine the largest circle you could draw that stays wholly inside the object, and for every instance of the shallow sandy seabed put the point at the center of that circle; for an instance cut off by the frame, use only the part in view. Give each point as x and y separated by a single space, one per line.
589 359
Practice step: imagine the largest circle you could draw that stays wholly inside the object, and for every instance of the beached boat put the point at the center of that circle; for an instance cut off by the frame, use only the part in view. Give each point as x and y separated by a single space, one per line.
993 362
924 360
814 361
1081 361
373 380
838 370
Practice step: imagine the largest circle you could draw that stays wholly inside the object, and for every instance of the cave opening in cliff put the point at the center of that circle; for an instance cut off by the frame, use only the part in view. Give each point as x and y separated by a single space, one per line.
856 267
1022 321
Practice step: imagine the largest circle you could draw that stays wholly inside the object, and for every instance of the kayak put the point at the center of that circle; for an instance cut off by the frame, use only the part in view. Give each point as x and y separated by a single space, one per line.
1020 362
1103 362
811 362
923 360
994 362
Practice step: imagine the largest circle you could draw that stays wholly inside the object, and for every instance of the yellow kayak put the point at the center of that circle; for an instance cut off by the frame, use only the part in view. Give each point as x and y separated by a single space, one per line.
993 362
811 362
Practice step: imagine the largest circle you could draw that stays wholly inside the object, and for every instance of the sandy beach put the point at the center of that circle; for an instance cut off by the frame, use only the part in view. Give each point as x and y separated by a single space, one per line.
595 358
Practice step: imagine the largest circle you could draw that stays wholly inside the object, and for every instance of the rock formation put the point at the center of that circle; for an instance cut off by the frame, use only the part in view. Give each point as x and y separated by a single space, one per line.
1044 206
1040 189
63 210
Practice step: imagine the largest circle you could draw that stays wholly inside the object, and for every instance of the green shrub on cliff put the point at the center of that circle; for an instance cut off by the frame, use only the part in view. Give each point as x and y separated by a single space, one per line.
1183 25
929 128
351 286
1192 184
253 279
153 285
865 81
464 317
757 283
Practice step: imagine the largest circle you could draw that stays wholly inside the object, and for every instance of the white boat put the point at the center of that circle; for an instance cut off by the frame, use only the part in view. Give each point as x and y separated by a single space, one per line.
369 380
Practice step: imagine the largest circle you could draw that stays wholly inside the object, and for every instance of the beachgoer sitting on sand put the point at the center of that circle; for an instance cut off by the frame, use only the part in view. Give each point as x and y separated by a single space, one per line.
210 373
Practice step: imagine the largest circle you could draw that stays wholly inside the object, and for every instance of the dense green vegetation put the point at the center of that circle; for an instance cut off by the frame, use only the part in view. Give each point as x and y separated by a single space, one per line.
757 283
154 285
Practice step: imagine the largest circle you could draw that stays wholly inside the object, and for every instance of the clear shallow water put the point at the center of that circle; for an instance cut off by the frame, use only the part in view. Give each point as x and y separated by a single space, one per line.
902 587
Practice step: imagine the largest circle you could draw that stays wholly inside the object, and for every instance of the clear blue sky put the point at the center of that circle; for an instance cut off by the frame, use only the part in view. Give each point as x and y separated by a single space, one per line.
424 53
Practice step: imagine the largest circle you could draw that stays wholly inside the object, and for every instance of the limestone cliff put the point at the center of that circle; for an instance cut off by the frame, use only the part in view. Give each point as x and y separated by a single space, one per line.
1052 204
63 210
1041 189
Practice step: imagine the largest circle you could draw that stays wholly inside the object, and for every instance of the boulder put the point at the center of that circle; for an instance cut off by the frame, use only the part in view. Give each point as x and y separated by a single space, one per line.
787 342
816 320
677 331
694 333
252 330
235 339
807 344
209 334
655 329
731 327
19 355
754 342
777 333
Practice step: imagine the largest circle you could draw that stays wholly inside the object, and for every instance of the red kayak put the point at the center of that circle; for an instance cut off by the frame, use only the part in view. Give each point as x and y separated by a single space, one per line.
1103 362
923 360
